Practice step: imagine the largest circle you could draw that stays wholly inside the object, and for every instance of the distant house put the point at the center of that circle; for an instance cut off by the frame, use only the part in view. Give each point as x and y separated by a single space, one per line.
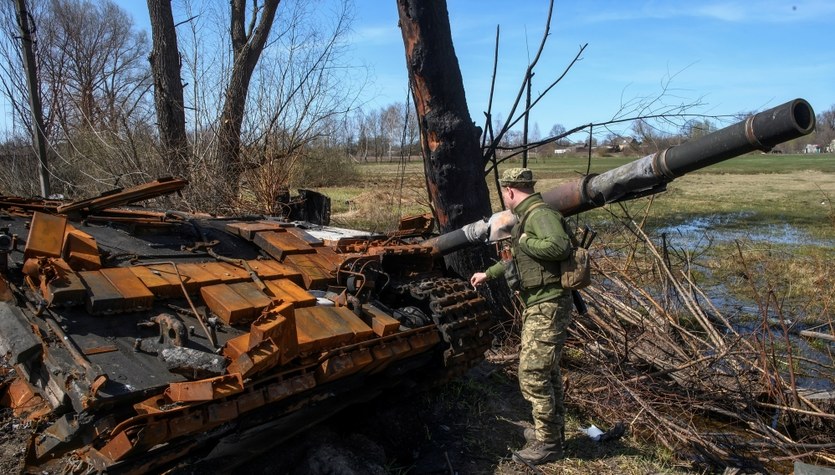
625 144
831 148
560 151
631 143
812 148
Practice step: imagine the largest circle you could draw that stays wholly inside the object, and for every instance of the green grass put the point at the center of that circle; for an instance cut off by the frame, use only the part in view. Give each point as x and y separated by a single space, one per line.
747 164
758 189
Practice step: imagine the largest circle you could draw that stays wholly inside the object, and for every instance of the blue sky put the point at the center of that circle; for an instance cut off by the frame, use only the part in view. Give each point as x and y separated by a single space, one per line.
732 56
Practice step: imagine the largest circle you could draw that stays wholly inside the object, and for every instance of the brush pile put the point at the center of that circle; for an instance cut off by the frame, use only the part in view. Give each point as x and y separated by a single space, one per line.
653 351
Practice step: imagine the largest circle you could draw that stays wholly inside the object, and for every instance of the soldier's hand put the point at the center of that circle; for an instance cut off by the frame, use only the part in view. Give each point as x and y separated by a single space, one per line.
478 278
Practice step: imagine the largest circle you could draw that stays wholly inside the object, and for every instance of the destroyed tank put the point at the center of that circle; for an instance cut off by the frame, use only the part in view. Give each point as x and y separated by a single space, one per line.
138 339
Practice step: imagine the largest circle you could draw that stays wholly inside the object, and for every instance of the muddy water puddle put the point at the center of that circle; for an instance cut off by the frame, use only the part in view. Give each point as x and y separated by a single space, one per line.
767 324
720 228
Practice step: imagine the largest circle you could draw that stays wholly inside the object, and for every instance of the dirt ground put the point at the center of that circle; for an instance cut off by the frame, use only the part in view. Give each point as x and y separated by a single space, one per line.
14 435
468 426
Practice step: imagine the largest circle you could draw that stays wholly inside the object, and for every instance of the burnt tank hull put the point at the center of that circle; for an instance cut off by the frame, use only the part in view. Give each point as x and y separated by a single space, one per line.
139 338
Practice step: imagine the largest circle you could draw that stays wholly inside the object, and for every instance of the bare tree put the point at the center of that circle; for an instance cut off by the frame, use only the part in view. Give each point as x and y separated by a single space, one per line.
695 128
391 126
93 82
92 63
556 129
400 129
360 124
296 91
379 134
535 134
299 93
411 133
248 42
168 87
825 129
33 84
826 119
651 137
372 134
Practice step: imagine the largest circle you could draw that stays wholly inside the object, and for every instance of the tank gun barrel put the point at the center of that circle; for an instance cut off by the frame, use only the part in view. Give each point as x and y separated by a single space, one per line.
649 174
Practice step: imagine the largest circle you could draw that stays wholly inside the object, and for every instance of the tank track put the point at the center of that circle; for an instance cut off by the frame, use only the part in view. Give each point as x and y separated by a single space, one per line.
461 315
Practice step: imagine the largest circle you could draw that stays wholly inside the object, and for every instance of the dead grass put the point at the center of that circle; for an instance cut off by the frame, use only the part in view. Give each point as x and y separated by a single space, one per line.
796 194
800 198
803 283
376 209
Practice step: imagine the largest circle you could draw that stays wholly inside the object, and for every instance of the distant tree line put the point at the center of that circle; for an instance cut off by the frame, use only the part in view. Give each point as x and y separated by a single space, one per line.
251 95
643 137
242 98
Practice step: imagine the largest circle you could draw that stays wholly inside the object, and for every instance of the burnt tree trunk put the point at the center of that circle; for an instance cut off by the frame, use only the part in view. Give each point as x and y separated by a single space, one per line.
30 65
168 88
247 47
452 158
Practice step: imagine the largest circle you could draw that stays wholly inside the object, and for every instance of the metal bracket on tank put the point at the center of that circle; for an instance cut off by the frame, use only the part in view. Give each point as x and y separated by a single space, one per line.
584 194
751 137
659 165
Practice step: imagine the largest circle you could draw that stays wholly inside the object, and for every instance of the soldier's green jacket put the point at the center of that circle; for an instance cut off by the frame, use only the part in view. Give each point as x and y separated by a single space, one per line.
537 250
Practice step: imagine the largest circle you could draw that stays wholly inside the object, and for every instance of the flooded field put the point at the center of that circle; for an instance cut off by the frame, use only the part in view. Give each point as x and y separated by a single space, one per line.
778 319
725 227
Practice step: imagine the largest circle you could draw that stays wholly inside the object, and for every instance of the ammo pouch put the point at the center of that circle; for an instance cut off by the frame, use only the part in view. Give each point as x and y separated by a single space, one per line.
511 270
511 275
576 270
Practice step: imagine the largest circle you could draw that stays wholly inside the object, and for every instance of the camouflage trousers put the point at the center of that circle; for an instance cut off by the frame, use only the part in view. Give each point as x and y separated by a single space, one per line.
543 335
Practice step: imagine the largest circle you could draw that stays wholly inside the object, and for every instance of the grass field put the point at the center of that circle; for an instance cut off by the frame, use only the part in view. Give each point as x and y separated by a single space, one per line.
761 189
563 167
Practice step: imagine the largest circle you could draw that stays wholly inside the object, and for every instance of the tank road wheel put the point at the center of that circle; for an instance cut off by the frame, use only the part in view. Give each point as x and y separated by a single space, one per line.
461 315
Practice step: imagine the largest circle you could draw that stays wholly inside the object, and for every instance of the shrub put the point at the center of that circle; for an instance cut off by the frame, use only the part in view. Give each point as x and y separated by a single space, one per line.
325 167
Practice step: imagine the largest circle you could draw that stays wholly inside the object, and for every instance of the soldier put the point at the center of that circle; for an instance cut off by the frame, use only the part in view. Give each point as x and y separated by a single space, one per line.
538 243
